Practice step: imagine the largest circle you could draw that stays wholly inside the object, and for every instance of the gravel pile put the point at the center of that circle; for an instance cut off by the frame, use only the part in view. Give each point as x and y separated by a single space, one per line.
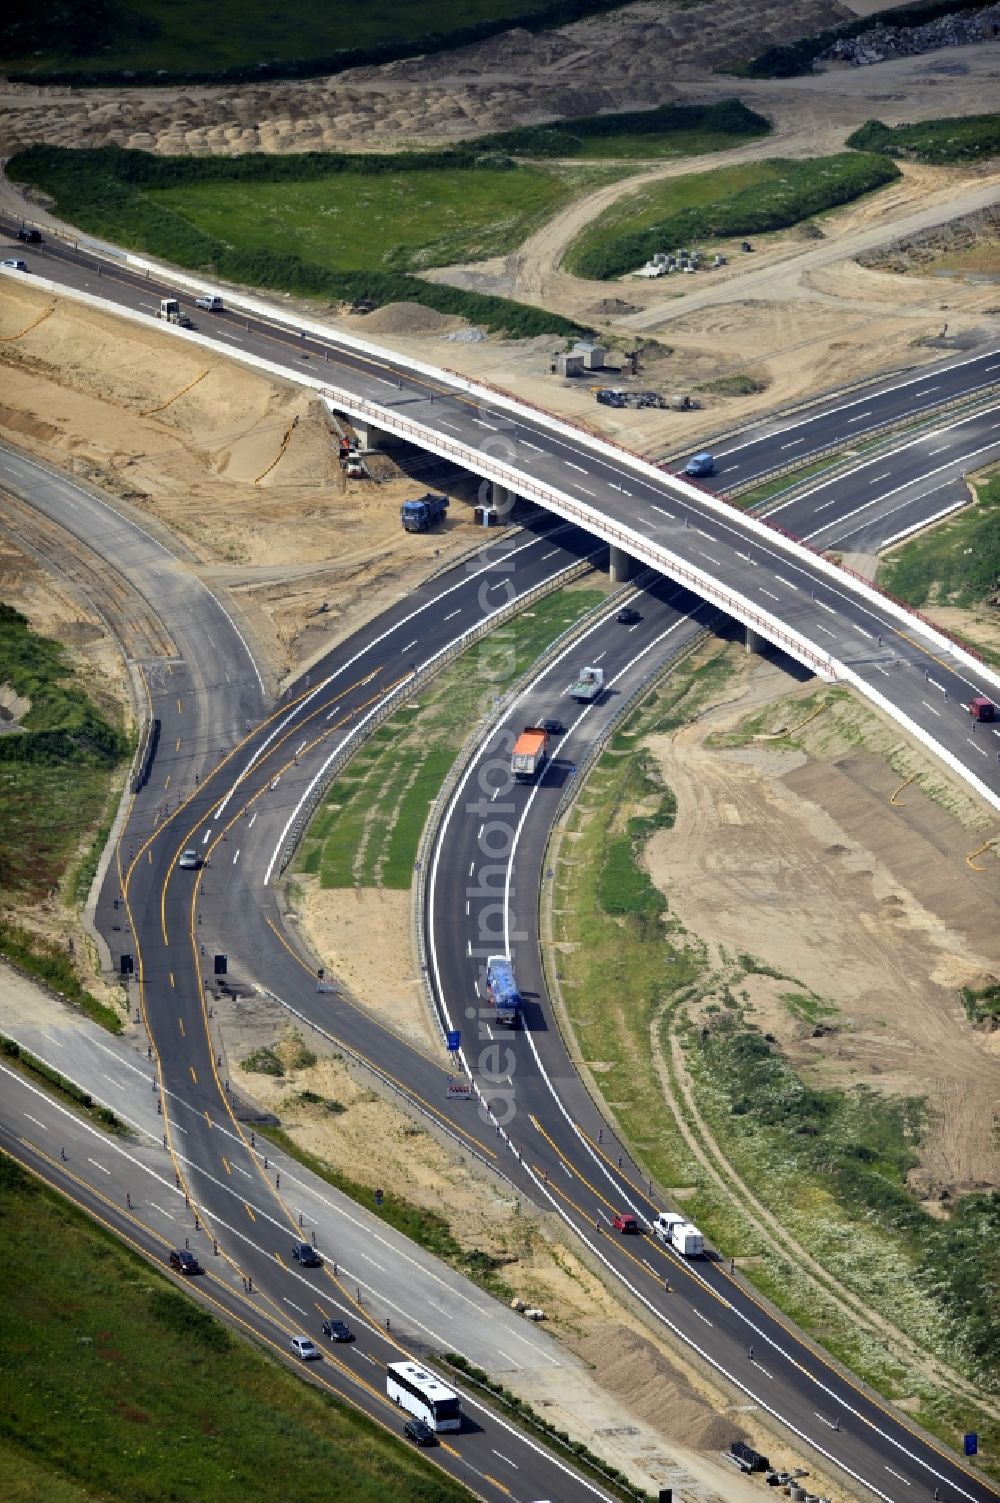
884 42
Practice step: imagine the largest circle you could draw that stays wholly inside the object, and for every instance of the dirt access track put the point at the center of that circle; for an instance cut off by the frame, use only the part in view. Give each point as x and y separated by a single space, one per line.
800 859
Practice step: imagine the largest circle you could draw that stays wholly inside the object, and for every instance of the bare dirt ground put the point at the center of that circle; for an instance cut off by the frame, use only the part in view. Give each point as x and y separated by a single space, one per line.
625 60
801 860
308 555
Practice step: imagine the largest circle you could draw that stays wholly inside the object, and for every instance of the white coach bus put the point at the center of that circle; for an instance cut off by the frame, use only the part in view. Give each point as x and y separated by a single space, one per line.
415 1389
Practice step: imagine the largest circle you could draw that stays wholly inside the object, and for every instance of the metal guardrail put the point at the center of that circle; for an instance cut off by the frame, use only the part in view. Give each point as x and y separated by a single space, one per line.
899 425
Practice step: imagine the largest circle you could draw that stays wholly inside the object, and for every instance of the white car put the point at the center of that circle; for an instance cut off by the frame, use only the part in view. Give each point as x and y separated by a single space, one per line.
303 1347
189 860
13 264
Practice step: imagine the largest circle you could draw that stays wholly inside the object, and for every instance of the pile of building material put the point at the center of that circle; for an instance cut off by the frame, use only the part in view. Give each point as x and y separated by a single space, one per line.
664 263
883 42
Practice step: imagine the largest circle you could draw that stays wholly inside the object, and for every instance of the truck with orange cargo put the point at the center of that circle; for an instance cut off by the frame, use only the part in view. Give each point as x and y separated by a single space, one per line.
531 751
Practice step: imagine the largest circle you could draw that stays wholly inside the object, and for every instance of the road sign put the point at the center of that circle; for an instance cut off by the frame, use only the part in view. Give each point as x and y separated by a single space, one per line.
454 1037
971 1443
459 1090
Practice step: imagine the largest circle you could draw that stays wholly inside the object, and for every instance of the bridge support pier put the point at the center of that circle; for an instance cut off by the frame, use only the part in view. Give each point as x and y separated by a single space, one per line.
372 438
755 642
502 499
621 566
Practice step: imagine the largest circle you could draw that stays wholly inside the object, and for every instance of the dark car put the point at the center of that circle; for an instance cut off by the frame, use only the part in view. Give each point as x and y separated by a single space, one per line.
336 1330
554 727
33 237
628 615
185 1262
623 1222
306 1254
419 1432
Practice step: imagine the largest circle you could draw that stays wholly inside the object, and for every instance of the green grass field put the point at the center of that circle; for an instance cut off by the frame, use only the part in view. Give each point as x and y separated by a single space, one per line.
960 138
368 829
398 221
672 130
955 563
184 38
57 786
361 216
115 1386
753 198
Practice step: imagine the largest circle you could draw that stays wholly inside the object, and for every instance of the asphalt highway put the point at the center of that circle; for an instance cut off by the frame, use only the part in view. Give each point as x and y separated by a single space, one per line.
242 808
790 596
880 500
843 420
487 870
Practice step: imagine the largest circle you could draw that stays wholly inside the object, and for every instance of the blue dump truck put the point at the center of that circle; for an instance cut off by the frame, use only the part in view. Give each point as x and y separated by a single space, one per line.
501 990
424 513
700 464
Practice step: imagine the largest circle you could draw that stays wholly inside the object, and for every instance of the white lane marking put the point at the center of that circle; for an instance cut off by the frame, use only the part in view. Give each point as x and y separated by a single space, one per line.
770 593
897 1475
827 504
661 509
446 424
36 1121
702 1317
746 558
472 867
100 1166
300 749
879 669
729 467
980 749
824 630
565 1169
372 1261
504 1458
529 445
823 605
787 582
791 444
571 466
764 1371
116 1083
711 560
860 415
601 656
938 450
480 423
275 782
879 478
205 837
294 1305
931 708
551 554
409 645
927 390
587 492
479 833
163 1212
252 818
236 857
245 1172
452 614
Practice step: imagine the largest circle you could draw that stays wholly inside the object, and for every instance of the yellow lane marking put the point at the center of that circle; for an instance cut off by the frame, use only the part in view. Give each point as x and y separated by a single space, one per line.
226 1165
167 782
172 982
193 1075
180 708
249 1211
180 1024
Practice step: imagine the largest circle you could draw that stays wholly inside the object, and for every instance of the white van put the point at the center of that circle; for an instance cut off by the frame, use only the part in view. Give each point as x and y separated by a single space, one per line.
211 302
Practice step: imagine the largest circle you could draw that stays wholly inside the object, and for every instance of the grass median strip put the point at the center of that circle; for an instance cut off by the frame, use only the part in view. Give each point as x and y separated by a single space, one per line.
118 1385
367 831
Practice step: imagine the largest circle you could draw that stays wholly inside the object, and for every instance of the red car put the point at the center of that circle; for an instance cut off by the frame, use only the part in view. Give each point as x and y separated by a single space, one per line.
625 1223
